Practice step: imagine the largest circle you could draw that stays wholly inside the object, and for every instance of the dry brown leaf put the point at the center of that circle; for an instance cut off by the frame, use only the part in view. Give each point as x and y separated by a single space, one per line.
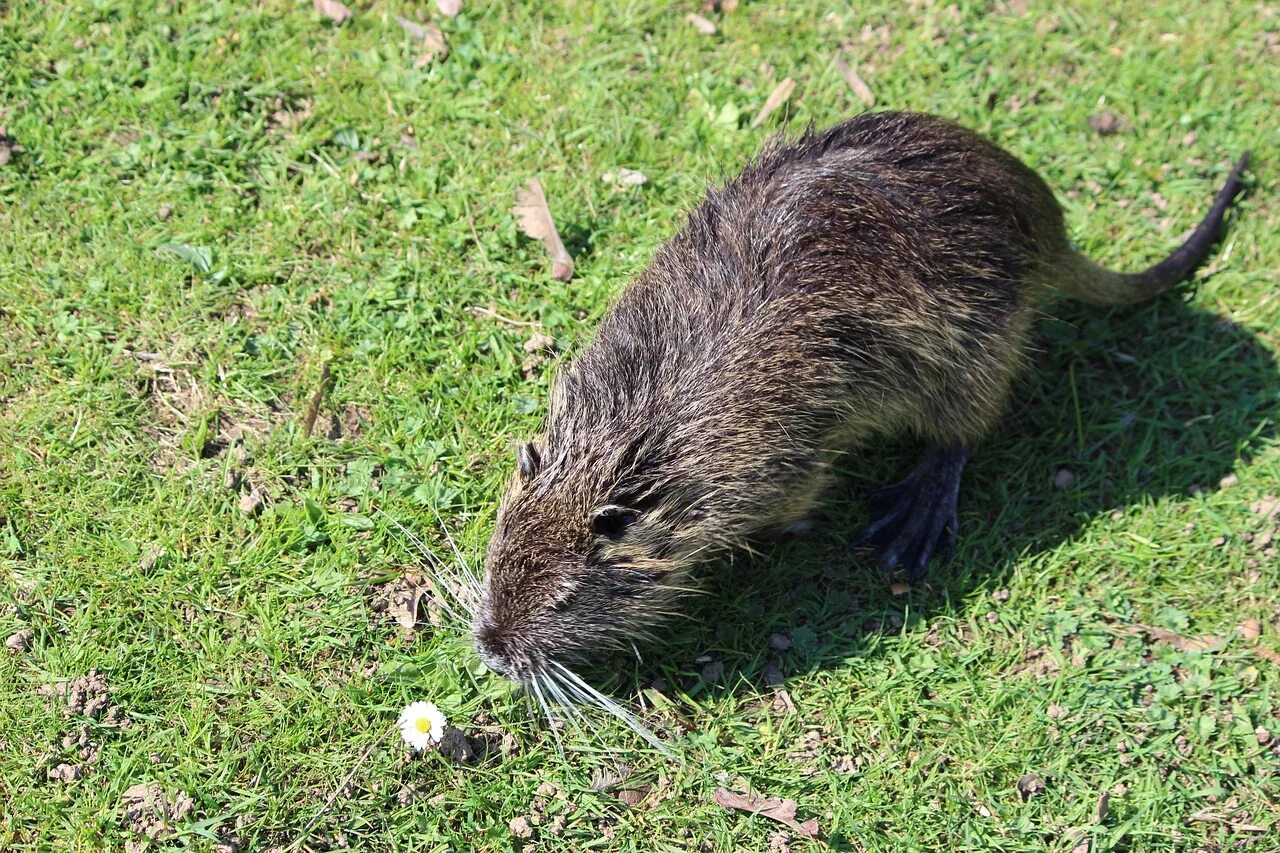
776 98
855 81
1250 629
899 588
1177 641
538 342
432 37
1268 655
1210 816
451 8
1101 810
534 218
701 24
783 811
332 9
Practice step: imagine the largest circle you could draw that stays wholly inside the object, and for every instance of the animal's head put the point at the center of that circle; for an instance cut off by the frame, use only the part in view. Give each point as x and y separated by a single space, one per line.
581 562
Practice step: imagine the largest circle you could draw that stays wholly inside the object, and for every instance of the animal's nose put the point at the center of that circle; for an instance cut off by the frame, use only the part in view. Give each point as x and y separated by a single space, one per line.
492 649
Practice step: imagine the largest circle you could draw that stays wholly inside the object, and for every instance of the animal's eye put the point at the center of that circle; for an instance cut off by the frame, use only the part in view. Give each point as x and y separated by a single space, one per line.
612 521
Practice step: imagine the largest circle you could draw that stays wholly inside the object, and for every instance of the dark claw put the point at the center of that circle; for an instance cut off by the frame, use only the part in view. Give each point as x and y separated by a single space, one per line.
914 521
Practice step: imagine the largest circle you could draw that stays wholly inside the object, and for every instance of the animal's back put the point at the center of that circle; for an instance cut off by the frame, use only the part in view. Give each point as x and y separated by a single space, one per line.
881 260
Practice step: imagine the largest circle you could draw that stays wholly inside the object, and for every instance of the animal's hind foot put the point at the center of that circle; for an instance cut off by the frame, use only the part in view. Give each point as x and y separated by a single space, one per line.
915 520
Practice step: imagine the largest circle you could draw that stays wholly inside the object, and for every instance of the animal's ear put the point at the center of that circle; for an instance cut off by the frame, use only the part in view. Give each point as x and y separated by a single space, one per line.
528 460
612 521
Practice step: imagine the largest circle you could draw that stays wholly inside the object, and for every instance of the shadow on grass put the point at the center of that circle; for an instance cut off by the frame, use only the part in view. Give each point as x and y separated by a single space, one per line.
1137 404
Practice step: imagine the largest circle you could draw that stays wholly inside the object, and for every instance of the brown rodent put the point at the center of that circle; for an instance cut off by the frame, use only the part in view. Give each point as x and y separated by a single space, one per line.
875 278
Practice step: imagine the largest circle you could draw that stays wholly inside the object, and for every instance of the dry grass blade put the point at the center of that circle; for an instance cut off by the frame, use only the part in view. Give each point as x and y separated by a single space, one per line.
855 81
783 811
313 407
776 98
333 10
534 218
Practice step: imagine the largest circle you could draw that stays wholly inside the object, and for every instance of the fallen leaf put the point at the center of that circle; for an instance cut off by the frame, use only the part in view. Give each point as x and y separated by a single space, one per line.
783 811
1029 785
701 24
608 778
332 9
1105 122
776 98
1103 807
856 83
539 342
432 37
451 8
251 501
1250 629
1177 641
1210 816
534 218
1268 655
896 589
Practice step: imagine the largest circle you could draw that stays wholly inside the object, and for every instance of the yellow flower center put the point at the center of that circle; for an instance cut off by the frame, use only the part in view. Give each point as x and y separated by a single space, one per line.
423 724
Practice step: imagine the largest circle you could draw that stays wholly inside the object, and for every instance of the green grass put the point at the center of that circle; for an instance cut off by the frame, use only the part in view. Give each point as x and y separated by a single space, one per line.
329 203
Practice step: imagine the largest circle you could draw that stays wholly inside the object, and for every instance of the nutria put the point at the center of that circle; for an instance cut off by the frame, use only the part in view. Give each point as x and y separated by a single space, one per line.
876 278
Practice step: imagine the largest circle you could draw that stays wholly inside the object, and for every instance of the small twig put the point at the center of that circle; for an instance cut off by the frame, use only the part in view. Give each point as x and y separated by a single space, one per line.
338 790
313 408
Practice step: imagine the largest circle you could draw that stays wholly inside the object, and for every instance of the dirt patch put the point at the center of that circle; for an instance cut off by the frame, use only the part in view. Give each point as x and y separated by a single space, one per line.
20 641
88 696
347 425
1040 664
146 810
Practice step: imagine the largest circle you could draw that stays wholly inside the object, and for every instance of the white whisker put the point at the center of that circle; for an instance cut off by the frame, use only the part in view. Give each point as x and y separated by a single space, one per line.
436 572
595 697
457 553
534 683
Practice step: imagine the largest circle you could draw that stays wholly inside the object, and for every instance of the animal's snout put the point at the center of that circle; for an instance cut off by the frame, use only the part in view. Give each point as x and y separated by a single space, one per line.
495 649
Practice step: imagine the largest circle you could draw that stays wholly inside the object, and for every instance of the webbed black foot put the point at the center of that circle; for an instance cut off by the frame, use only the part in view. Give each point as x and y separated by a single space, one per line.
915 520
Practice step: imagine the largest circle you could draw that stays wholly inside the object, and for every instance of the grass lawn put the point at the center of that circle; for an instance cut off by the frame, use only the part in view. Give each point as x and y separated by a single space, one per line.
261 294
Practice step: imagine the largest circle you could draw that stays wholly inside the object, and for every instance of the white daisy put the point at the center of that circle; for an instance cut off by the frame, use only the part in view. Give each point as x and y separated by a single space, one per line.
422 725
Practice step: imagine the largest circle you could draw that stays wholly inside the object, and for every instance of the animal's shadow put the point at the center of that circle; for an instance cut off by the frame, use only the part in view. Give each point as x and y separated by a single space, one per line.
1133 404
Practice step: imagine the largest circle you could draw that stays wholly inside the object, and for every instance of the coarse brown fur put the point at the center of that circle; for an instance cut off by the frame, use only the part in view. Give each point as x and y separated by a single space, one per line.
876 278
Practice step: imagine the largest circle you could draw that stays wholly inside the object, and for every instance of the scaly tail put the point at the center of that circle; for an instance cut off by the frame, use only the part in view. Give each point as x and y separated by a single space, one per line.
1081 278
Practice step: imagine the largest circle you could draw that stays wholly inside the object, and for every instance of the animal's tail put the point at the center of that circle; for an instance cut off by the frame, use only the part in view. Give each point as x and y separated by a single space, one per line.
1090 282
